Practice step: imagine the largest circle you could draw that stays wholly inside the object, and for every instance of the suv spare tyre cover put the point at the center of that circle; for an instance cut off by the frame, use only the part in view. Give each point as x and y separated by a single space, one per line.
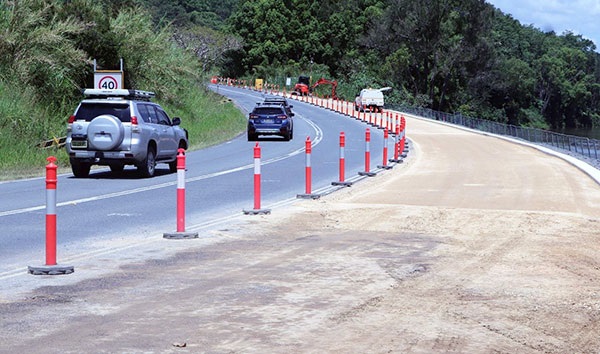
105 132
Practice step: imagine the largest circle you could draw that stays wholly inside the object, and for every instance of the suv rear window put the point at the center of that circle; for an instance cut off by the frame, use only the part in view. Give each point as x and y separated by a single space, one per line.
268 110
89 111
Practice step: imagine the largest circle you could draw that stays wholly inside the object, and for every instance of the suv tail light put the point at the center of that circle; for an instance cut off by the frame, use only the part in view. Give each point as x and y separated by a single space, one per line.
71 119
135 128
283 116
253 116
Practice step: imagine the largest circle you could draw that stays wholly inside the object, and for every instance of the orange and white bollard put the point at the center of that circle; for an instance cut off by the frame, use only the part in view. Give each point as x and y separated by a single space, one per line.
342 178
403 147
181 233
257 179
396 157
367 172
51 267
308 173
384 164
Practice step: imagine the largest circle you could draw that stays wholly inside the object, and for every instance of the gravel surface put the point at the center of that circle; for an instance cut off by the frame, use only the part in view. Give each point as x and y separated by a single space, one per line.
473 245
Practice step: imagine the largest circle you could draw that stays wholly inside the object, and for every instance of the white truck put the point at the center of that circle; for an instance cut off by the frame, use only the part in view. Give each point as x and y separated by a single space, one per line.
370 99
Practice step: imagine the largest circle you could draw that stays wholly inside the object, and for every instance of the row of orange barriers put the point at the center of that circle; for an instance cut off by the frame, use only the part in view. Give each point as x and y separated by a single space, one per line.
392 121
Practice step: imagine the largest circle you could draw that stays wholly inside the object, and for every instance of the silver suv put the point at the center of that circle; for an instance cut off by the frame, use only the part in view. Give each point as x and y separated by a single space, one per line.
122 127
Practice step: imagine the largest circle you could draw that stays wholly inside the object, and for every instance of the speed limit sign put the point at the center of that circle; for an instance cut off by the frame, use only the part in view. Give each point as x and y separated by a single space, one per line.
108 80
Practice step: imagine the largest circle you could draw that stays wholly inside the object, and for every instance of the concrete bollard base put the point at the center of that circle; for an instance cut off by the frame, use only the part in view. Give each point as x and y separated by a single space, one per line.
180 235
308 196
368 174
343 184
257 212
50 270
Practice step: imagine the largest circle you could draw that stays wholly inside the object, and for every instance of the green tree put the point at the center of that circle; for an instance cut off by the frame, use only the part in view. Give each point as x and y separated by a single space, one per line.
565 87
441 42
38 49
299 31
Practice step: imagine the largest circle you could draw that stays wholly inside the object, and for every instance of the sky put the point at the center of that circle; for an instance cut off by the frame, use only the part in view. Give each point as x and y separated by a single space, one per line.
578 16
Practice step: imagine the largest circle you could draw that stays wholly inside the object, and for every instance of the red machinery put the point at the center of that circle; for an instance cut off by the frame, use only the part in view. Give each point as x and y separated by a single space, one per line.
323 81
302 87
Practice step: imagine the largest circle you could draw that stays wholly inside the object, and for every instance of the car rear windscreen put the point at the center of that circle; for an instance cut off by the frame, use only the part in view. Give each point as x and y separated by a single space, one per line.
89 111
268 110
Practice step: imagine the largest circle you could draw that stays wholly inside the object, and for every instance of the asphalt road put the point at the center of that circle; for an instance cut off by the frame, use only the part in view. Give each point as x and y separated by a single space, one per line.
473 245
108 213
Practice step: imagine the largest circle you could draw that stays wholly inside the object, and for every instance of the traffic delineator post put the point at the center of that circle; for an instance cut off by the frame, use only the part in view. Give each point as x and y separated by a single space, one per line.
257 180
396 157
403 146
367 172
384 164
342 178
308 173
181 233
51 267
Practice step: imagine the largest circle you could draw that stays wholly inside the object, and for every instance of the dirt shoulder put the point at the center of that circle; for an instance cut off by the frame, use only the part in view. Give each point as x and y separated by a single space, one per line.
473 245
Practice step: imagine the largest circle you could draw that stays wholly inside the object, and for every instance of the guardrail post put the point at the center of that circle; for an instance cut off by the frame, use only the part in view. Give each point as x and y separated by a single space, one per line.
51 267
180 234
257 210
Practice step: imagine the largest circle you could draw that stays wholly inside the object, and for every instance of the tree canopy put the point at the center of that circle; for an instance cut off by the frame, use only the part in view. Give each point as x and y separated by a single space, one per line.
450 55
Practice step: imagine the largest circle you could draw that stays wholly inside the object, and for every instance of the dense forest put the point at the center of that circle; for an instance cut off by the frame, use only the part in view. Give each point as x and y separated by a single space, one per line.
449 55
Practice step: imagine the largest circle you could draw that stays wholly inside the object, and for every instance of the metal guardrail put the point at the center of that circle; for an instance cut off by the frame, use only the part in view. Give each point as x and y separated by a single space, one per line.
583 146
57 142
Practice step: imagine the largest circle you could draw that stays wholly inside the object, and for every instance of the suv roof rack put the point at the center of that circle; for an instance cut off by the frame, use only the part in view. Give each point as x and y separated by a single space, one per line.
275 99
122 93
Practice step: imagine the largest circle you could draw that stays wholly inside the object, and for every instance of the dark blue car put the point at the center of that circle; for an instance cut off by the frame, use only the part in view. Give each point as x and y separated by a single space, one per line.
270 119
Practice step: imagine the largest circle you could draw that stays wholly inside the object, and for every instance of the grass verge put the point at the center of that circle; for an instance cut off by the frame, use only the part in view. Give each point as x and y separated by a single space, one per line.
24 123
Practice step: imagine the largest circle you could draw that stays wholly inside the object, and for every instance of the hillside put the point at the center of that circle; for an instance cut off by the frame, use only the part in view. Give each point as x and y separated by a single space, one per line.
455 55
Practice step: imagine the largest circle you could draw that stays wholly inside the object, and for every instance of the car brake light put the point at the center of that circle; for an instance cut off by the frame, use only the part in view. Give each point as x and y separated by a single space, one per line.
253 116
134 120
71 119
283 116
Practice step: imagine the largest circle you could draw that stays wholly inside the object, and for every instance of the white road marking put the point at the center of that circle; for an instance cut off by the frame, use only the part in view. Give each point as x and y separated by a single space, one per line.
318 138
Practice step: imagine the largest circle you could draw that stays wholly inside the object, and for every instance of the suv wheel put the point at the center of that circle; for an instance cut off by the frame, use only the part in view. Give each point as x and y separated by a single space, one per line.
80 169
173 166
148 166
117 168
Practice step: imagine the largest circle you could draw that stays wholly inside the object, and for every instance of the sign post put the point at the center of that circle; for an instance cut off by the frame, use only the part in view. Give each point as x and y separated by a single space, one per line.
108 79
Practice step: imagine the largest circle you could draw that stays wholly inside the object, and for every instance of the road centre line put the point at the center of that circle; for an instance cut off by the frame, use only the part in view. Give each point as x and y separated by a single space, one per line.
318 139
12 273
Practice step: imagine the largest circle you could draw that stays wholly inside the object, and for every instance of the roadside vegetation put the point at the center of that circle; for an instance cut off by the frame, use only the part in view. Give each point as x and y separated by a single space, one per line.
47 50
449 55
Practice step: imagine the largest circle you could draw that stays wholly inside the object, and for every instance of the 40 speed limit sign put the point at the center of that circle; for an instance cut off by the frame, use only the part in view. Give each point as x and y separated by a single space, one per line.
108 80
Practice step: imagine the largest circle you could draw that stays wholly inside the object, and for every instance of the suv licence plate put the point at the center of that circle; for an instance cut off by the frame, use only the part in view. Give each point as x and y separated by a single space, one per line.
79 144
268 121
